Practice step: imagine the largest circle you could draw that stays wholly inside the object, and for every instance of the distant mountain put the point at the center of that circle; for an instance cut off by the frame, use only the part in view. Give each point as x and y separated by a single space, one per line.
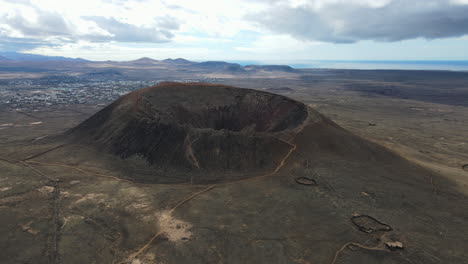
178 61
144 60
220 66
15 56
216 64
237 68
17 62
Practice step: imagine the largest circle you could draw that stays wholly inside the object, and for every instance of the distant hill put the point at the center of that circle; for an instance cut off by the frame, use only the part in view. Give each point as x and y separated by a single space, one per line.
144 60
15 56
24 62
178 61
220 66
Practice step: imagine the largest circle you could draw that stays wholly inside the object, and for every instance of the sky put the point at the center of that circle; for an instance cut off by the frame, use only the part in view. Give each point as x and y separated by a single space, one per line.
251 30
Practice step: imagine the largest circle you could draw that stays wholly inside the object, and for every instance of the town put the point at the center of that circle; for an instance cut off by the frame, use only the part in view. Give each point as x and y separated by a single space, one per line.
31 94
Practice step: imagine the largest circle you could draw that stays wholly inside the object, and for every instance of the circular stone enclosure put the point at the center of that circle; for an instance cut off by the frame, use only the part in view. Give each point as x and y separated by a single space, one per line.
465 167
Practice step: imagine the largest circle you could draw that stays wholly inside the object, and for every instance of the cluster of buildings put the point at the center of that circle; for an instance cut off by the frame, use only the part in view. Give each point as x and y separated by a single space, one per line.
29 94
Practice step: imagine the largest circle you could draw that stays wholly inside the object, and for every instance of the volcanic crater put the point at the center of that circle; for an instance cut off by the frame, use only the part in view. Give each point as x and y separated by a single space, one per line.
198 127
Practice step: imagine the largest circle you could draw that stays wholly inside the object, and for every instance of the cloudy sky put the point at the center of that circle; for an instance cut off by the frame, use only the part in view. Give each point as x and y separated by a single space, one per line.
255 30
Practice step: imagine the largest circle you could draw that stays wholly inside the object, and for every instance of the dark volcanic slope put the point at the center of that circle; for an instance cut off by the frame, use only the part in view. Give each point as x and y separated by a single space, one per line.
229 129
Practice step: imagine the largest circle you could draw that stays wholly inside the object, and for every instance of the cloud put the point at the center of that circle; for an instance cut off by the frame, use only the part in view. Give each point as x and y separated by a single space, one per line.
26 30
27 24
45 24
269 28
124 32
168 23
23 2
340 21
125 21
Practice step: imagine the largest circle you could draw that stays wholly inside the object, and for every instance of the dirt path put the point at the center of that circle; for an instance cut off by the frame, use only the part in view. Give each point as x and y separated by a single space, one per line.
43 152
53 240
54 257
80 170
28 115
375 248
143 248
189 152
